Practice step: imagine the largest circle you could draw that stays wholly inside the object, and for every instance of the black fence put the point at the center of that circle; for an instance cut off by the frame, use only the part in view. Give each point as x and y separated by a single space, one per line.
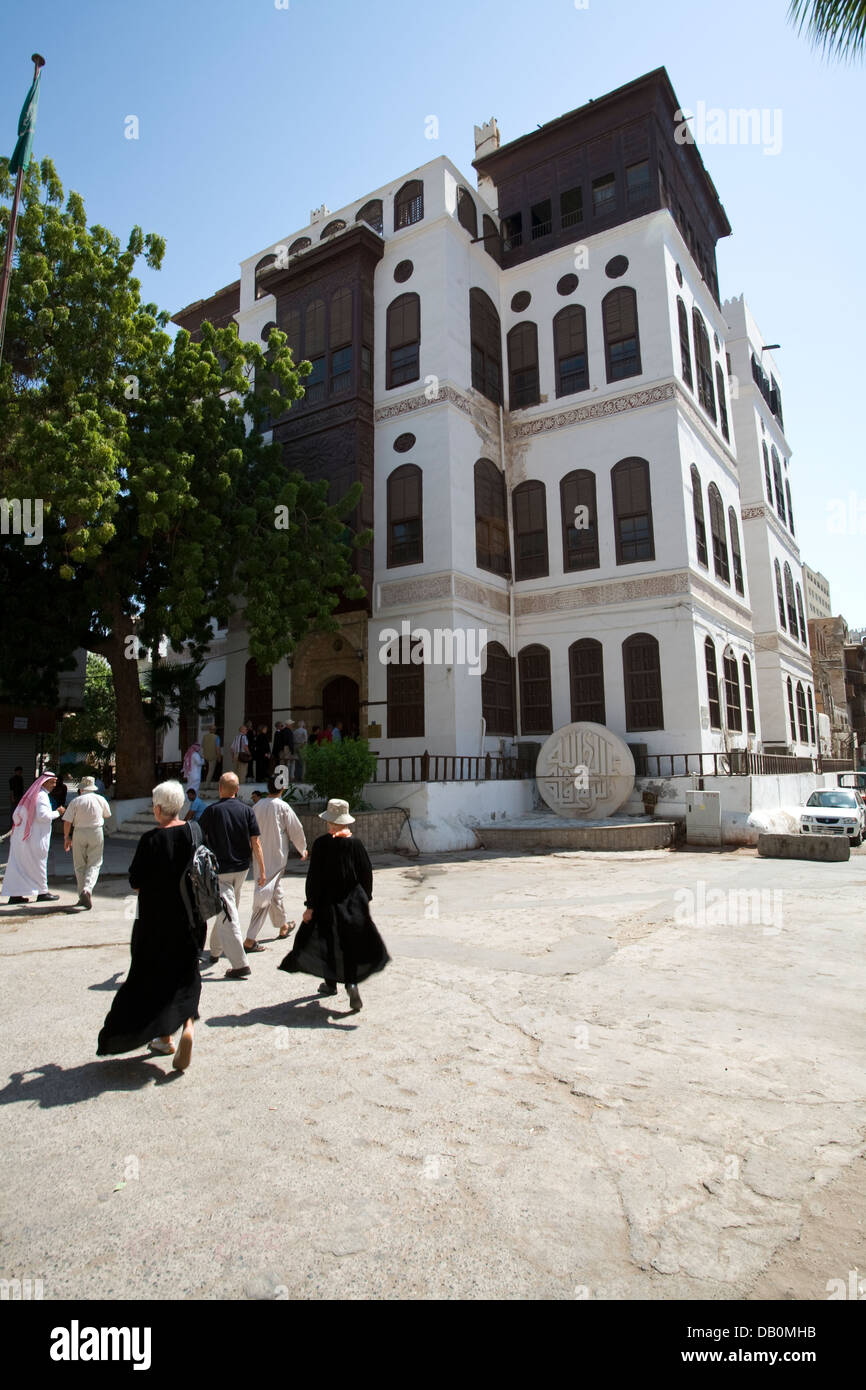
736 763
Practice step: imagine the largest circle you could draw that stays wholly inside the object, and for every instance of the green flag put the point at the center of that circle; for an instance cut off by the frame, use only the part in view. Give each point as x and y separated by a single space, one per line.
26 128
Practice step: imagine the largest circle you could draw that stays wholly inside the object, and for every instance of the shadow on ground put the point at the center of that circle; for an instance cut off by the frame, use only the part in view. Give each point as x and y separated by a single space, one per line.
52 1085
307 1012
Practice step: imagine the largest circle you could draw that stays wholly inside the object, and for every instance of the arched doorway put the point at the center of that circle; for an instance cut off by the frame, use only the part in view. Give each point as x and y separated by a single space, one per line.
340 700
258 695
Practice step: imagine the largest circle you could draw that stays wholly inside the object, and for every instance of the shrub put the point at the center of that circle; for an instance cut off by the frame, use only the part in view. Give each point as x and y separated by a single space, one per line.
339 769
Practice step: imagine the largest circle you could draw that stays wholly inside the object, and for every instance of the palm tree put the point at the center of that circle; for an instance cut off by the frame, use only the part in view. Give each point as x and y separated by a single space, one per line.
173 685
836 26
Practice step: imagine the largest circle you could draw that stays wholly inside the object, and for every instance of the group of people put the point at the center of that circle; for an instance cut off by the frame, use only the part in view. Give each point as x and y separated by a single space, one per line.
33 815
336 942
253 751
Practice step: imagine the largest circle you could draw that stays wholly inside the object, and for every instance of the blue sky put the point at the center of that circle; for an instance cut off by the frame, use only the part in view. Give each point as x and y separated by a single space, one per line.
250 115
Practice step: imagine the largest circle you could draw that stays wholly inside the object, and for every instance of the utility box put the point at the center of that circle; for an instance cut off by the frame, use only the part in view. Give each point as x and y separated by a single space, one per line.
703 818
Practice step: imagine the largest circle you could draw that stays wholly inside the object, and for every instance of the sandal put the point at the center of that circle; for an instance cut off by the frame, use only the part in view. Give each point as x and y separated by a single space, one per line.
254 949
284 931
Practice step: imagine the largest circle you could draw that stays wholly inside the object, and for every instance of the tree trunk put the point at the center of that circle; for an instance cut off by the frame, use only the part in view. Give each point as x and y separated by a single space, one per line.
135 770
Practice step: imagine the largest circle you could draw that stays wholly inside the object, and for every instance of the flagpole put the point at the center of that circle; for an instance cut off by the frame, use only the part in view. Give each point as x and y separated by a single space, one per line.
38 62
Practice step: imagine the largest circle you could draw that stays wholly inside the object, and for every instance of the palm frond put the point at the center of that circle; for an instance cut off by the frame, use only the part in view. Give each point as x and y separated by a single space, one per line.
838 27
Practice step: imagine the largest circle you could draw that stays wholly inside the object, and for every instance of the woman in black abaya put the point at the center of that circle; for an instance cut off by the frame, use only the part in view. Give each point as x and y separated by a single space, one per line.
162 989
337 939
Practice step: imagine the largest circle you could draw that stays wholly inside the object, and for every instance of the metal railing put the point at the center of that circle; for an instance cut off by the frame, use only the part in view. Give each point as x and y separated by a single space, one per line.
451 767
736 763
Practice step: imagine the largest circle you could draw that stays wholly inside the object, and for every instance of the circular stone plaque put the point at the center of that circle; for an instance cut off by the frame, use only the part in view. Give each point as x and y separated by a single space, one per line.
584 770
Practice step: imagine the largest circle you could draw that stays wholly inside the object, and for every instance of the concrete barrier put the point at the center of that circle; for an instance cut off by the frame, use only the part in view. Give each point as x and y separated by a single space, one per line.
832 849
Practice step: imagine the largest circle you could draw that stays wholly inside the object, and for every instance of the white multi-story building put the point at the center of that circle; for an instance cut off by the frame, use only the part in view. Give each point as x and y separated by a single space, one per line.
530 378
816 587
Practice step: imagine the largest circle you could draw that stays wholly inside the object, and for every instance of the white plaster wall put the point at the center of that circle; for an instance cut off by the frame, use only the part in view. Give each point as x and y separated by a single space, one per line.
443 814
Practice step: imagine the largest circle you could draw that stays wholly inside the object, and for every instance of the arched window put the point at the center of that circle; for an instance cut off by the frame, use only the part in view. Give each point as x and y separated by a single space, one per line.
802 725
405 695
530 531
486 340
492 239
790 508
704 365
780 597
341 340
371 213
338 225
790 602
314 349
491 519
712 683
749 695
569 350
811 716
801 618
700 524
717 531
536 710
266 264
621 337
723 408
403 340
777 479
791 719
685 345
579 521
732 692
497 690
632 511
522 366
467 214
768 480
736 555
586 677
642 682
409 204
405 532
299 244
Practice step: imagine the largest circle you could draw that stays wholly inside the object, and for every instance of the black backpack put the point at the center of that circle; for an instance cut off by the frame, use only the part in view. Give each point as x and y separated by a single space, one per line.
200 886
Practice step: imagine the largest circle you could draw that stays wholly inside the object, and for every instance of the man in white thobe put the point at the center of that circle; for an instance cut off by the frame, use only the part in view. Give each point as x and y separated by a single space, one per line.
278 825
85 815
27 870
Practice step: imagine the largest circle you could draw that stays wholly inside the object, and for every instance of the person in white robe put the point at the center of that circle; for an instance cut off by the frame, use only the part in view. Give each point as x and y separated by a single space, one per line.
192 766
27 870
278 827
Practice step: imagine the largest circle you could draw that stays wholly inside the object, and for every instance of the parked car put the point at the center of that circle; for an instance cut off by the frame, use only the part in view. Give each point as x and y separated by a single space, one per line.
835 811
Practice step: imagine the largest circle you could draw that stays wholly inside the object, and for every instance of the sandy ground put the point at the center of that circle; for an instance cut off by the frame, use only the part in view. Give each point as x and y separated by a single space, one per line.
582 1075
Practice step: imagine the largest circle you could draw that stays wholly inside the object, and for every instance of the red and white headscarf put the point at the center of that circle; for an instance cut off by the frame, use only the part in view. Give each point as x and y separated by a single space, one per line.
187 762
26 808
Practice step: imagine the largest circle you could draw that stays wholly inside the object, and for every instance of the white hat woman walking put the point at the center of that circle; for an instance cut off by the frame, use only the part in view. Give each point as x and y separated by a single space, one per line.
337 939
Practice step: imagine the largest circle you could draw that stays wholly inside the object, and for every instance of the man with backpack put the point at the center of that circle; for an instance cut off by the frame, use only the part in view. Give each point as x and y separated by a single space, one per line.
231 830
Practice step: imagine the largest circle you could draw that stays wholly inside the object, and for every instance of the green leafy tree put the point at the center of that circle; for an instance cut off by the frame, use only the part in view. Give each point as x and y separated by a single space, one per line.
163 504
93 729
836 26
339 769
